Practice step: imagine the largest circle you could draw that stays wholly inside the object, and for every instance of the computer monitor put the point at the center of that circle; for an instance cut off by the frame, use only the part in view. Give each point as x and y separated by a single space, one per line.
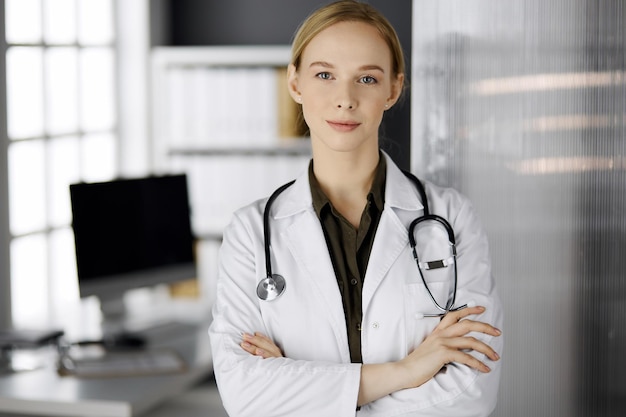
131 233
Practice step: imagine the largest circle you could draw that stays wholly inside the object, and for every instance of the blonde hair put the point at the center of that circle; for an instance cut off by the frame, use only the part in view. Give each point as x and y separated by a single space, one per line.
347 11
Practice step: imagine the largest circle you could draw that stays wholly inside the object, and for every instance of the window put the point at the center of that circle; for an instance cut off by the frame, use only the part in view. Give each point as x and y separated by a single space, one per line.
62 128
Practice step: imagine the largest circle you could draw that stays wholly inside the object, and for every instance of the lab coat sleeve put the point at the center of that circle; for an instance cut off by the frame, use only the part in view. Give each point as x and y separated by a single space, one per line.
477 392
250 385
458 390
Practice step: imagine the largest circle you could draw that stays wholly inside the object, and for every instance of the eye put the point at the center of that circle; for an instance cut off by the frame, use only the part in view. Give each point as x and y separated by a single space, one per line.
368 79
323 75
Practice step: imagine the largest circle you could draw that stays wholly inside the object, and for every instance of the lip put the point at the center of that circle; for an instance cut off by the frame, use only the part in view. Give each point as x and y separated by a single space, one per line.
343 125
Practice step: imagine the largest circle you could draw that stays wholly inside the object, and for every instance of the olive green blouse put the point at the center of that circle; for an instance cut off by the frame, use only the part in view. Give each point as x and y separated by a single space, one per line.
350 248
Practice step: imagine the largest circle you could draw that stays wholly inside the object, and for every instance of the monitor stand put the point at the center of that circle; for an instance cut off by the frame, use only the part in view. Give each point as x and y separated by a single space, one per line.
114 330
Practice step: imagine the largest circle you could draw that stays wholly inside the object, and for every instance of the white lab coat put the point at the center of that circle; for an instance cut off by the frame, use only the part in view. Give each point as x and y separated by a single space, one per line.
316 378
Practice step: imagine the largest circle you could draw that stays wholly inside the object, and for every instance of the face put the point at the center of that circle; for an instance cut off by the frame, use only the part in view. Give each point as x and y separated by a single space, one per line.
345 84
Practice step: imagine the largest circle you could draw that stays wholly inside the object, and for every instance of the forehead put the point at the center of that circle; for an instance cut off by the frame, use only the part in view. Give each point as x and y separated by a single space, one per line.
350 42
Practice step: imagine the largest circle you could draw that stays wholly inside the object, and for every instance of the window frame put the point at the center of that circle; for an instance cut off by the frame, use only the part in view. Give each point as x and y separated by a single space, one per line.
7 318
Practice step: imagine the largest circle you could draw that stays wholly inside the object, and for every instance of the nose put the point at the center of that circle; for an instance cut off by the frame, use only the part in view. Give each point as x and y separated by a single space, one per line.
345 98
345 104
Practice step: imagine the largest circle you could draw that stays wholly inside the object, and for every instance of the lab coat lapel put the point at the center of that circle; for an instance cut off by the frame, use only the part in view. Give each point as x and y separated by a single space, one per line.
307 244
401 206
390 241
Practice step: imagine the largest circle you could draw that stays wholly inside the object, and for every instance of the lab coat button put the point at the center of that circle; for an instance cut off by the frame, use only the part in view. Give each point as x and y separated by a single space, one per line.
375 325
353 281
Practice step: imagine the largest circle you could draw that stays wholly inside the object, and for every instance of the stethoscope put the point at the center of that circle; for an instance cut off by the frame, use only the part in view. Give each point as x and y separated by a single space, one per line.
273 285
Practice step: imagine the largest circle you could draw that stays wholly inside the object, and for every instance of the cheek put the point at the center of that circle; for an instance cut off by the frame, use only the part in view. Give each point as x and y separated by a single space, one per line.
376 110
312 107
309 114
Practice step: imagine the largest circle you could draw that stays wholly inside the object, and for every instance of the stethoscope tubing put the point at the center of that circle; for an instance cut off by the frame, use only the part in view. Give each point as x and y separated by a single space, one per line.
451 239
271 280
266 226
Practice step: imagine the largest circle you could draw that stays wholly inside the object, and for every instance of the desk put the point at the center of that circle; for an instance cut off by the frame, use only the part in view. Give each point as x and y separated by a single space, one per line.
43 392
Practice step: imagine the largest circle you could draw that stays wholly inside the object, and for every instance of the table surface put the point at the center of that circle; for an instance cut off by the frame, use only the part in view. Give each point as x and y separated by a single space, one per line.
44 392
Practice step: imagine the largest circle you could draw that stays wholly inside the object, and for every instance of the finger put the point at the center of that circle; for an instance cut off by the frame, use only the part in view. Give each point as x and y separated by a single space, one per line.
469 360
471 343
466 326
262 337
247 344
263 343
255 350
456 316
248 347
265 354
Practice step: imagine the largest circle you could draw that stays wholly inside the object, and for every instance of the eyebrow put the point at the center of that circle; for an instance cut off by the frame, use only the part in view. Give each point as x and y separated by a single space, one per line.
362 68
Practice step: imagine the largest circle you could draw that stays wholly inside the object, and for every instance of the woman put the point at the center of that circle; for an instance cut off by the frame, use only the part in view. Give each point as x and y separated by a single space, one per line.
347 334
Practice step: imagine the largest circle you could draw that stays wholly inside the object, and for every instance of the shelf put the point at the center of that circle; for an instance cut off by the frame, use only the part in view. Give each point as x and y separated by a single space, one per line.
227 56
299 147
223 115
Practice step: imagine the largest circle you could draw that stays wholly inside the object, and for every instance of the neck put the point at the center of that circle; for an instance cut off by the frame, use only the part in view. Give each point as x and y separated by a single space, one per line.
346 179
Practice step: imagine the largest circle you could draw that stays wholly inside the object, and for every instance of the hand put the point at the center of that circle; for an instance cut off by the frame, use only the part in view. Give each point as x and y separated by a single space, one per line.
448 343
260 345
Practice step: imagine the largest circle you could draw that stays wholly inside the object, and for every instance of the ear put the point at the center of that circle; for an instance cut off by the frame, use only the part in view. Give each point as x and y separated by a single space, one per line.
292 83
396 91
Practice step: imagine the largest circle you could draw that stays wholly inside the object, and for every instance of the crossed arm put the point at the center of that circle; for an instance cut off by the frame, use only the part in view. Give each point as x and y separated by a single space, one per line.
449 342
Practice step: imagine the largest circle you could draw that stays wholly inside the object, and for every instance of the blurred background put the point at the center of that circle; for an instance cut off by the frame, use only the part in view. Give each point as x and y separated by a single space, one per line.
521 105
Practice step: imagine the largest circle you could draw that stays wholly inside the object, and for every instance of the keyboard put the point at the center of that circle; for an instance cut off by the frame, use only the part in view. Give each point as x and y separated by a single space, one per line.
128 363
168 330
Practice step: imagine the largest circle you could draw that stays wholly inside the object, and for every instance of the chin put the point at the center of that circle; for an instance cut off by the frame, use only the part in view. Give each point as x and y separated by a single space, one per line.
342 146
343 142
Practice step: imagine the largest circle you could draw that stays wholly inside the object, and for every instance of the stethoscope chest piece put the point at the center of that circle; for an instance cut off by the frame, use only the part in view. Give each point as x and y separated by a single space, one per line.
270 288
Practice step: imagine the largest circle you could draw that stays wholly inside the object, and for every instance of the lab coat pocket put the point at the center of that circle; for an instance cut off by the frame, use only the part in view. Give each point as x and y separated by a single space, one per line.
418 303
434 252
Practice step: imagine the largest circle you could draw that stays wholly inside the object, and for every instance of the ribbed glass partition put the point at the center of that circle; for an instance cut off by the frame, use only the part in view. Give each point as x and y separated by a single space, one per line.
521 105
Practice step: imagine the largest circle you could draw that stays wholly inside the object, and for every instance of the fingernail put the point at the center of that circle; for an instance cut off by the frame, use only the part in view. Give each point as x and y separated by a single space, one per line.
487 369
498 332
245 336
246 344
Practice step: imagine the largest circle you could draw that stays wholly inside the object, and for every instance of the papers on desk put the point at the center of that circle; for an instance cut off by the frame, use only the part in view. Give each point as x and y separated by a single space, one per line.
97 363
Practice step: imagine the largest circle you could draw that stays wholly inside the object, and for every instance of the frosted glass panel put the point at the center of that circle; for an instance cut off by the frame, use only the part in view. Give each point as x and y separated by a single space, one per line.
29 289
62 90
97 88
60 21
27 191
522 106
23 21
24 92
64 162
96 21
98 157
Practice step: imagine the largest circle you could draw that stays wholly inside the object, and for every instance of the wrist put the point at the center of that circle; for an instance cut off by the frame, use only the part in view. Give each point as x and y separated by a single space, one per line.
402 372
